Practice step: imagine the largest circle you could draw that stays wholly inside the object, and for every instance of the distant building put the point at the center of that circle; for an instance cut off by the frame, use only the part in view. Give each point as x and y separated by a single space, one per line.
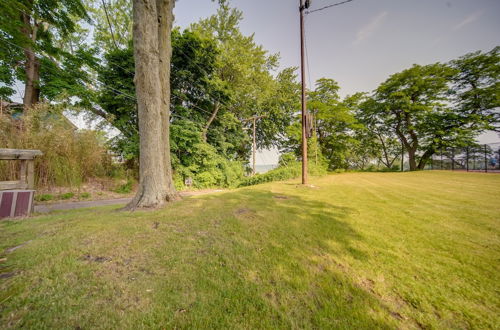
15 110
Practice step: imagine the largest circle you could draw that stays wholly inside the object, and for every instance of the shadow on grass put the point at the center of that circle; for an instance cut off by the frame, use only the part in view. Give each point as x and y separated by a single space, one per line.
242 259
283 257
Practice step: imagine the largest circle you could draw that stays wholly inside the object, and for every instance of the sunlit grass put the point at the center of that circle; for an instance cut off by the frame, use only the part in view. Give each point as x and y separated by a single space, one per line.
360 250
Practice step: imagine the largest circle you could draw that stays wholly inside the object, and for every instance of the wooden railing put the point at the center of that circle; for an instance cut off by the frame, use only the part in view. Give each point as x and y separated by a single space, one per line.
26 170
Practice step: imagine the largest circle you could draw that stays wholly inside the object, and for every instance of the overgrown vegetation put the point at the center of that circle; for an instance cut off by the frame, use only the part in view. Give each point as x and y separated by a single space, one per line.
357 251
70 156
291 170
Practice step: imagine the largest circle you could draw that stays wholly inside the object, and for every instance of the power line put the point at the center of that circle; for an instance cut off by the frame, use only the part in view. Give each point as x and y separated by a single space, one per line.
329 6
130 72
102 85
118 92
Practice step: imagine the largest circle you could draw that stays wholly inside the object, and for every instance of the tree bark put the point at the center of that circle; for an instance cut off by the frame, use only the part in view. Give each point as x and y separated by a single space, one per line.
209 122
412 159
385 157
425 158
152 22
412 147
165 10
31 87
31 66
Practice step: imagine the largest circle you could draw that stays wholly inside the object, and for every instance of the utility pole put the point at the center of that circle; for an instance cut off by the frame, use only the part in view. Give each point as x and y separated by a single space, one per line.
303 6
254 146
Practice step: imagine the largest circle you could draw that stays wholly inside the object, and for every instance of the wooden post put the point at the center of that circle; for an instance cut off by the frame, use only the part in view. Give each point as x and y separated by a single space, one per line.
22 171
31 174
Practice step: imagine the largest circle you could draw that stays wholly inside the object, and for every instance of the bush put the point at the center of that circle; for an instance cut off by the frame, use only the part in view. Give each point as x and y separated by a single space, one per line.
70 156
207 169
291 171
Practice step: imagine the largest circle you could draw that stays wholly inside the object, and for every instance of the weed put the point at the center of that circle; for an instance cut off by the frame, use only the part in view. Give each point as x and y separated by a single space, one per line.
44 197
125 188
84 195
67 195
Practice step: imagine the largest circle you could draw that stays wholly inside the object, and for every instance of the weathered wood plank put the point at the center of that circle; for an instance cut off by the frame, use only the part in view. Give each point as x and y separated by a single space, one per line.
31 175
10 185
12 154
22 170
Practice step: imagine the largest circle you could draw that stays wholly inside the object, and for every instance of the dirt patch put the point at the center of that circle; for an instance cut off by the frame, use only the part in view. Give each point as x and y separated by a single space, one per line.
280 197
98 259
7 275
368 284
397 316
243 211
12 249
98 189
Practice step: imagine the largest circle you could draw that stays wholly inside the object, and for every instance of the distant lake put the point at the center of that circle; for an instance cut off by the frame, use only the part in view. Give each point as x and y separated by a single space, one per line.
264 168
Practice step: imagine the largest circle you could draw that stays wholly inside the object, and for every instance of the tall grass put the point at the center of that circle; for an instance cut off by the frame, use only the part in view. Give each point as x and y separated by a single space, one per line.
70 156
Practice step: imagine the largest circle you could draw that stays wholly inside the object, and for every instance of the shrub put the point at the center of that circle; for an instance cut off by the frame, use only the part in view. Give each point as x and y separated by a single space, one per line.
207 168
291 171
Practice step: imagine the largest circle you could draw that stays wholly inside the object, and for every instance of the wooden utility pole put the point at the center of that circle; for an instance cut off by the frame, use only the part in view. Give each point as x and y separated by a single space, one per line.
254 147
303 6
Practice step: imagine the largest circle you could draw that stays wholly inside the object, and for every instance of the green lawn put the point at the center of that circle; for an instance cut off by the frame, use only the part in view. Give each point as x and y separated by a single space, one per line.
358 250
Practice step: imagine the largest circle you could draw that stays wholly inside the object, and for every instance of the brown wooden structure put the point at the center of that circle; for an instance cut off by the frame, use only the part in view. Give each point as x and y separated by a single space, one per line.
16 197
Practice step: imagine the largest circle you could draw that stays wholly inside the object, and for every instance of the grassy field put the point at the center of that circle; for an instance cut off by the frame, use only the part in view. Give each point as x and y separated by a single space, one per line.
358 250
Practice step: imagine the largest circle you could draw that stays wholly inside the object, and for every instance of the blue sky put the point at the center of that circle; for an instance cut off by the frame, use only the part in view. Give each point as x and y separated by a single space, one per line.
361 43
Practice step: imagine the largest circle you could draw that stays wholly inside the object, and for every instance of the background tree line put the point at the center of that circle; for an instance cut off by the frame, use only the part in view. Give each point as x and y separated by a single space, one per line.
79 56
420 110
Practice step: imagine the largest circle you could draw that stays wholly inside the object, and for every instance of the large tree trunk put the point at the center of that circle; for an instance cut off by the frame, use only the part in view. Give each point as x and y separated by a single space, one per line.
31 66
412 159
165 20
31 87
152 22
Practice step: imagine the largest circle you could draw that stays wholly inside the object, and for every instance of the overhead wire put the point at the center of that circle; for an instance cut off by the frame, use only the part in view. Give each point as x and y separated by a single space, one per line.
128 71
172 95
328 6
102 85
115 91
